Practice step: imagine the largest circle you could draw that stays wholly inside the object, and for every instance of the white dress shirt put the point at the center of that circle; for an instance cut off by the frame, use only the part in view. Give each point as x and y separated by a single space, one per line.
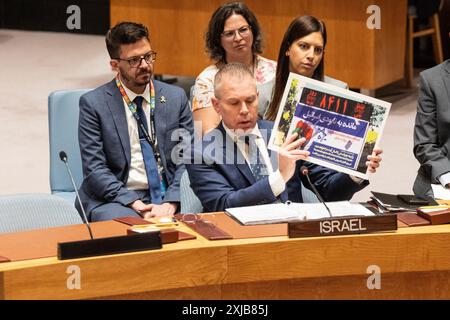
444 179
137 176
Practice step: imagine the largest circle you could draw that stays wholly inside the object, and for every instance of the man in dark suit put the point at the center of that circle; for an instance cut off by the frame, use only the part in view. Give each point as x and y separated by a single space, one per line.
432 130
126 134
232 166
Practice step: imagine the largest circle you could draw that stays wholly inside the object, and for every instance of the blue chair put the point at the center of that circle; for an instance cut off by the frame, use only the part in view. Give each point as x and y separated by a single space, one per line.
63 109
191 94
189 203
23 212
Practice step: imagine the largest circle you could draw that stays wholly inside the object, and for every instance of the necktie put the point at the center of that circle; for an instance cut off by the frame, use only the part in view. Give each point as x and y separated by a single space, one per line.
255 158
151 166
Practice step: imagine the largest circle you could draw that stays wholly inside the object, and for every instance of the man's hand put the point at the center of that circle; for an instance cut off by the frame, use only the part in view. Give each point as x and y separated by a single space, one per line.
374 160
288 155
140 207
160 210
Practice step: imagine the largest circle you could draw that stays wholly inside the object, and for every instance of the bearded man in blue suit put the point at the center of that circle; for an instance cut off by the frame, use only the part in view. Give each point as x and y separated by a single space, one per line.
126 134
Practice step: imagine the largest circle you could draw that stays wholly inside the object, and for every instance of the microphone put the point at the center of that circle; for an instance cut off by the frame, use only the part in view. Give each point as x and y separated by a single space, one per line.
304 171
104 246
63 157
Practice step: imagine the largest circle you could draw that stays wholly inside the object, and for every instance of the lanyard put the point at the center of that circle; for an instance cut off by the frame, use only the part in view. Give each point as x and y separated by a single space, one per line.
133 108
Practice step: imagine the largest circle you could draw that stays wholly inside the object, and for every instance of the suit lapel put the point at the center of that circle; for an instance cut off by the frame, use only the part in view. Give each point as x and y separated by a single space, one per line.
160 112
242 167
115 104
266 130
160 118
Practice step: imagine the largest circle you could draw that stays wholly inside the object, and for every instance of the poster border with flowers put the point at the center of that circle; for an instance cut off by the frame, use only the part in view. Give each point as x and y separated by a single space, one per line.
341 127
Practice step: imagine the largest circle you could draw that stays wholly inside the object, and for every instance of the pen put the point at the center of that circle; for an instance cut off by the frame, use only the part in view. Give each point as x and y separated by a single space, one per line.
167 224
156 225
441 206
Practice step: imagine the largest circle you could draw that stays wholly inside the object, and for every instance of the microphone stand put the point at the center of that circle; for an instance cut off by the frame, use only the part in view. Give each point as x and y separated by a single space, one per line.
104 246
63 157
305 172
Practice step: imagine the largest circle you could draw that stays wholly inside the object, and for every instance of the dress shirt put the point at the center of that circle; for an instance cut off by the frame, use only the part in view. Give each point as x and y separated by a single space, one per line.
137 177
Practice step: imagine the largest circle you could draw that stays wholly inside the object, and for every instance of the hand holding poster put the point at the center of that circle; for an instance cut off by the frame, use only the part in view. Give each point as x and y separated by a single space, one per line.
341 127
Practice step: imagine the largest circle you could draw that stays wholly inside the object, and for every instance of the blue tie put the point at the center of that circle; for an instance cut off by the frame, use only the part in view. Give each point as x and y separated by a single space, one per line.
151 167
257 164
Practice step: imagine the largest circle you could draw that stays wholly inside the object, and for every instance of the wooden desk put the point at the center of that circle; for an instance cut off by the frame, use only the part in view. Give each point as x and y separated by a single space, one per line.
362 57
414 262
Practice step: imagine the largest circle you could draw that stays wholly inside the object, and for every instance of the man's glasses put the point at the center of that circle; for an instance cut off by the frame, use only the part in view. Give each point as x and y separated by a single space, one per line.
243 32
135 62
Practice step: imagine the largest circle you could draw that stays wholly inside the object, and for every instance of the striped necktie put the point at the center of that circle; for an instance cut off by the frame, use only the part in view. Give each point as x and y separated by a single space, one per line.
151 167
255 158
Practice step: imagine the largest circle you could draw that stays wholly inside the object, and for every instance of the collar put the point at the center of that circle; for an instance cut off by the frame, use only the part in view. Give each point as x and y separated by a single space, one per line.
236 134
132 95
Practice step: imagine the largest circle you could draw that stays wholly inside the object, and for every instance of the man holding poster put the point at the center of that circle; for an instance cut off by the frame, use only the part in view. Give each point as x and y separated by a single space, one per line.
232 173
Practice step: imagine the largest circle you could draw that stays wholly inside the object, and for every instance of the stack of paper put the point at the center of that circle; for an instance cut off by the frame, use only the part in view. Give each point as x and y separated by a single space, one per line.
264 214
281 213
390 202
440 192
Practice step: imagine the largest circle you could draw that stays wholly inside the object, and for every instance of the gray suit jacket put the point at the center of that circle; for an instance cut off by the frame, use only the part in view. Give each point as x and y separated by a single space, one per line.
432 128
105 143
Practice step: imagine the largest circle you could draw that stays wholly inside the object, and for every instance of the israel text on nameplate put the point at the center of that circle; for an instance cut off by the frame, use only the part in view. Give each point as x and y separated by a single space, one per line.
335 226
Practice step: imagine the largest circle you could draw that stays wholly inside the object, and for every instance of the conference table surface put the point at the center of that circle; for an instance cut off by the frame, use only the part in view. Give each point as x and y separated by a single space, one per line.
412 262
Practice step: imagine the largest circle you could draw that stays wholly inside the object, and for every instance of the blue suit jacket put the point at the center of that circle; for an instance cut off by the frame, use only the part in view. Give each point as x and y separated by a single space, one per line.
105 143
221 182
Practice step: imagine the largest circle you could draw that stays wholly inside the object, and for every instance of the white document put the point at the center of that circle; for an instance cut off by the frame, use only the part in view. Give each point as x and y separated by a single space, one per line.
268 213
440 192
338 209
280 212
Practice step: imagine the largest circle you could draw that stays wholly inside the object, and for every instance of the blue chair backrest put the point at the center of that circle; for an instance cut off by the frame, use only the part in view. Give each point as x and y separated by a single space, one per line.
188 200
191 95
21 212
63 109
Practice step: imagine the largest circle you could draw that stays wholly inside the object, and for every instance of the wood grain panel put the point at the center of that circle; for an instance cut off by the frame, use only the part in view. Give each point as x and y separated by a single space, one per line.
195 293
414 263
339 257
390 42
394 286
124 274
364 58
417 285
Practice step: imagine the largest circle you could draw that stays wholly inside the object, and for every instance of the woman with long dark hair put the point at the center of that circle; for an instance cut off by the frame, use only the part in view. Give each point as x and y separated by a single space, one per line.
233 35
302 51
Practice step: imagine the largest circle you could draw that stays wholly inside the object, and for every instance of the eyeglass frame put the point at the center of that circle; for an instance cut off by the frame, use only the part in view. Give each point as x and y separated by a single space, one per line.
142 57
231 36
196 217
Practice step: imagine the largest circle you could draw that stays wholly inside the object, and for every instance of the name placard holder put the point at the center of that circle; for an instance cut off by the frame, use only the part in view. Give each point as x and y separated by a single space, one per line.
336 226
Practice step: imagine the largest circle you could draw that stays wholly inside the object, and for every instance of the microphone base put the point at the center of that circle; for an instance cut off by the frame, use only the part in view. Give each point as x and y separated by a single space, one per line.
337 226
111 245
